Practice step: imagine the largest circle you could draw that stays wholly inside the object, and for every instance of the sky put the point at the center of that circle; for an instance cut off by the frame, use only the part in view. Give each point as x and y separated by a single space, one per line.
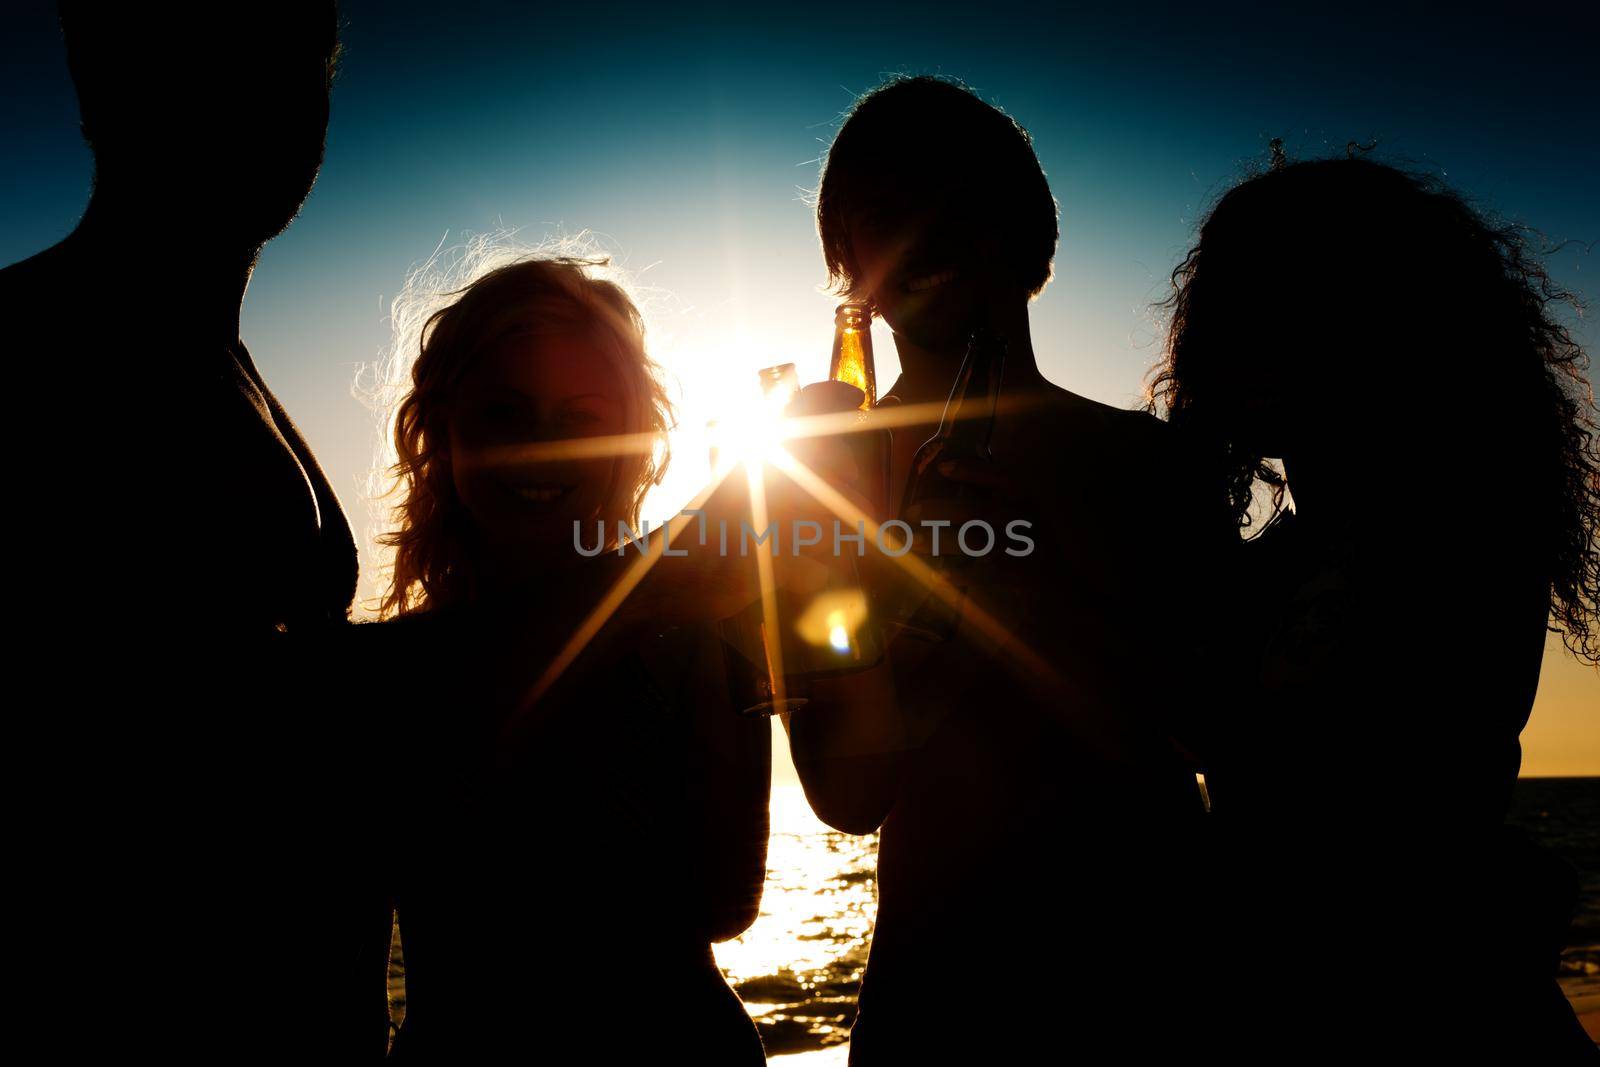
685 139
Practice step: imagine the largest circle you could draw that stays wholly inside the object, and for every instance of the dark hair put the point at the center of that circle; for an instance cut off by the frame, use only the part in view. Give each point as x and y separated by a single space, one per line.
117 51
1417 265
227 114
938 120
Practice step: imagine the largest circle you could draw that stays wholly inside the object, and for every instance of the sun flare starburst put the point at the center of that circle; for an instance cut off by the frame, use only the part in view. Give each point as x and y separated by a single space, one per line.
754 437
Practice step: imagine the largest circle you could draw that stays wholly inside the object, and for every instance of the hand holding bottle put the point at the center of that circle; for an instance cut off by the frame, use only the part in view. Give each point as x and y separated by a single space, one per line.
704 583
837 459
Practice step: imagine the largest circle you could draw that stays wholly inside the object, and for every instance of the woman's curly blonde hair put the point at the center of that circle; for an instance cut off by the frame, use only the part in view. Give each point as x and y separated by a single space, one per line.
451 310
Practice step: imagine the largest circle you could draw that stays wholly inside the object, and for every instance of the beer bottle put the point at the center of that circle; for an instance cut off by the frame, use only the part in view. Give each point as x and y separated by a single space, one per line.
965 428
851 361
827 632
779 384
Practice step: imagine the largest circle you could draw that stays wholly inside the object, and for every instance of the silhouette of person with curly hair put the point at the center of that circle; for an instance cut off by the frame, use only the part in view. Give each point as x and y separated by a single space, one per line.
1403 356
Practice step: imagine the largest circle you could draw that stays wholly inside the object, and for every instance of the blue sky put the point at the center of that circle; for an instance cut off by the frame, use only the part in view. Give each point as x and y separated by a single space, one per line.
686 137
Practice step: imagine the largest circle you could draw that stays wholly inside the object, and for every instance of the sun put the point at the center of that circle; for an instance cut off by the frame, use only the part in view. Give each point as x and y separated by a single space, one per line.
713 379
753 431
745 425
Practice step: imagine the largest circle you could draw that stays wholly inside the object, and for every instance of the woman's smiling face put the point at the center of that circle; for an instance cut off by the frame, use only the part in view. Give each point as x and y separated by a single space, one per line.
521 396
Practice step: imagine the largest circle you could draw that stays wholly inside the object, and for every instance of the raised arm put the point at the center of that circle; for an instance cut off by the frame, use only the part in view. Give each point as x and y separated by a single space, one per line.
849 745
727 767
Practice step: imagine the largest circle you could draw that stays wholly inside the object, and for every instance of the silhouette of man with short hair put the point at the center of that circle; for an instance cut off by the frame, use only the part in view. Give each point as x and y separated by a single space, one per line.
1037 824
195 851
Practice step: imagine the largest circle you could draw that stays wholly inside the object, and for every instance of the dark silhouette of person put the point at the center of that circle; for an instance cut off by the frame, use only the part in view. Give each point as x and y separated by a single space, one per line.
559 882
1404 357
1038 823
199 884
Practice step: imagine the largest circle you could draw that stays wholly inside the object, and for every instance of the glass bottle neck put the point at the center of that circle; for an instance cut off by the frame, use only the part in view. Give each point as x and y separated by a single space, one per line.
969 412
851 361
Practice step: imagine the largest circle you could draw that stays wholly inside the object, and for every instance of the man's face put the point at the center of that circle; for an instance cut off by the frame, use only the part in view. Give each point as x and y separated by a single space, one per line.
271 145
925 257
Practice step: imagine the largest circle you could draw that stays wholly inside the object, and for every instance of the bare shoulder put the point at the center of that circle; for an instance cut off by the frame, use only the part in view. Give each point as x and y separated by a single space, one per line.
1054 415
40 262
29 287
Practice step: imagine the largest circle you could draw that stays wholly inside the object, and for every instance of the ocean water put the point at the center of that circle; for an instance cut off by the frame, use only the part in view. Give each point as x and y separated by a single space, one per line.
816 918
798 966
1563 815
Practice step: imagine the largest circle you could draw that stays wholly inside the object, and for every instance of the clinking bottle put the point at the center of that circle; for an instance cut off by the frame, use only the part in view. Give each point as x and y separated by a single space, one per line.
851 361
964 432
824 626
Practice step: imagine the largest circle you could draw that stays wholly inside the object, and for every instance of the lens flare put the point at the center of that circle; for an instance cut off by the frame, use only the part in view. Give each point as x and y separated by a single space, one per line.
839 637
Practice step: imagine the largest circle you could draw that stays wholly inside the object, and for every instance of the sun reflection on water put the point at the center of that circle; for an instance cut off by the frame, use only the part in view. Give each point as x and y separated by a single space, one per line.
798 966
